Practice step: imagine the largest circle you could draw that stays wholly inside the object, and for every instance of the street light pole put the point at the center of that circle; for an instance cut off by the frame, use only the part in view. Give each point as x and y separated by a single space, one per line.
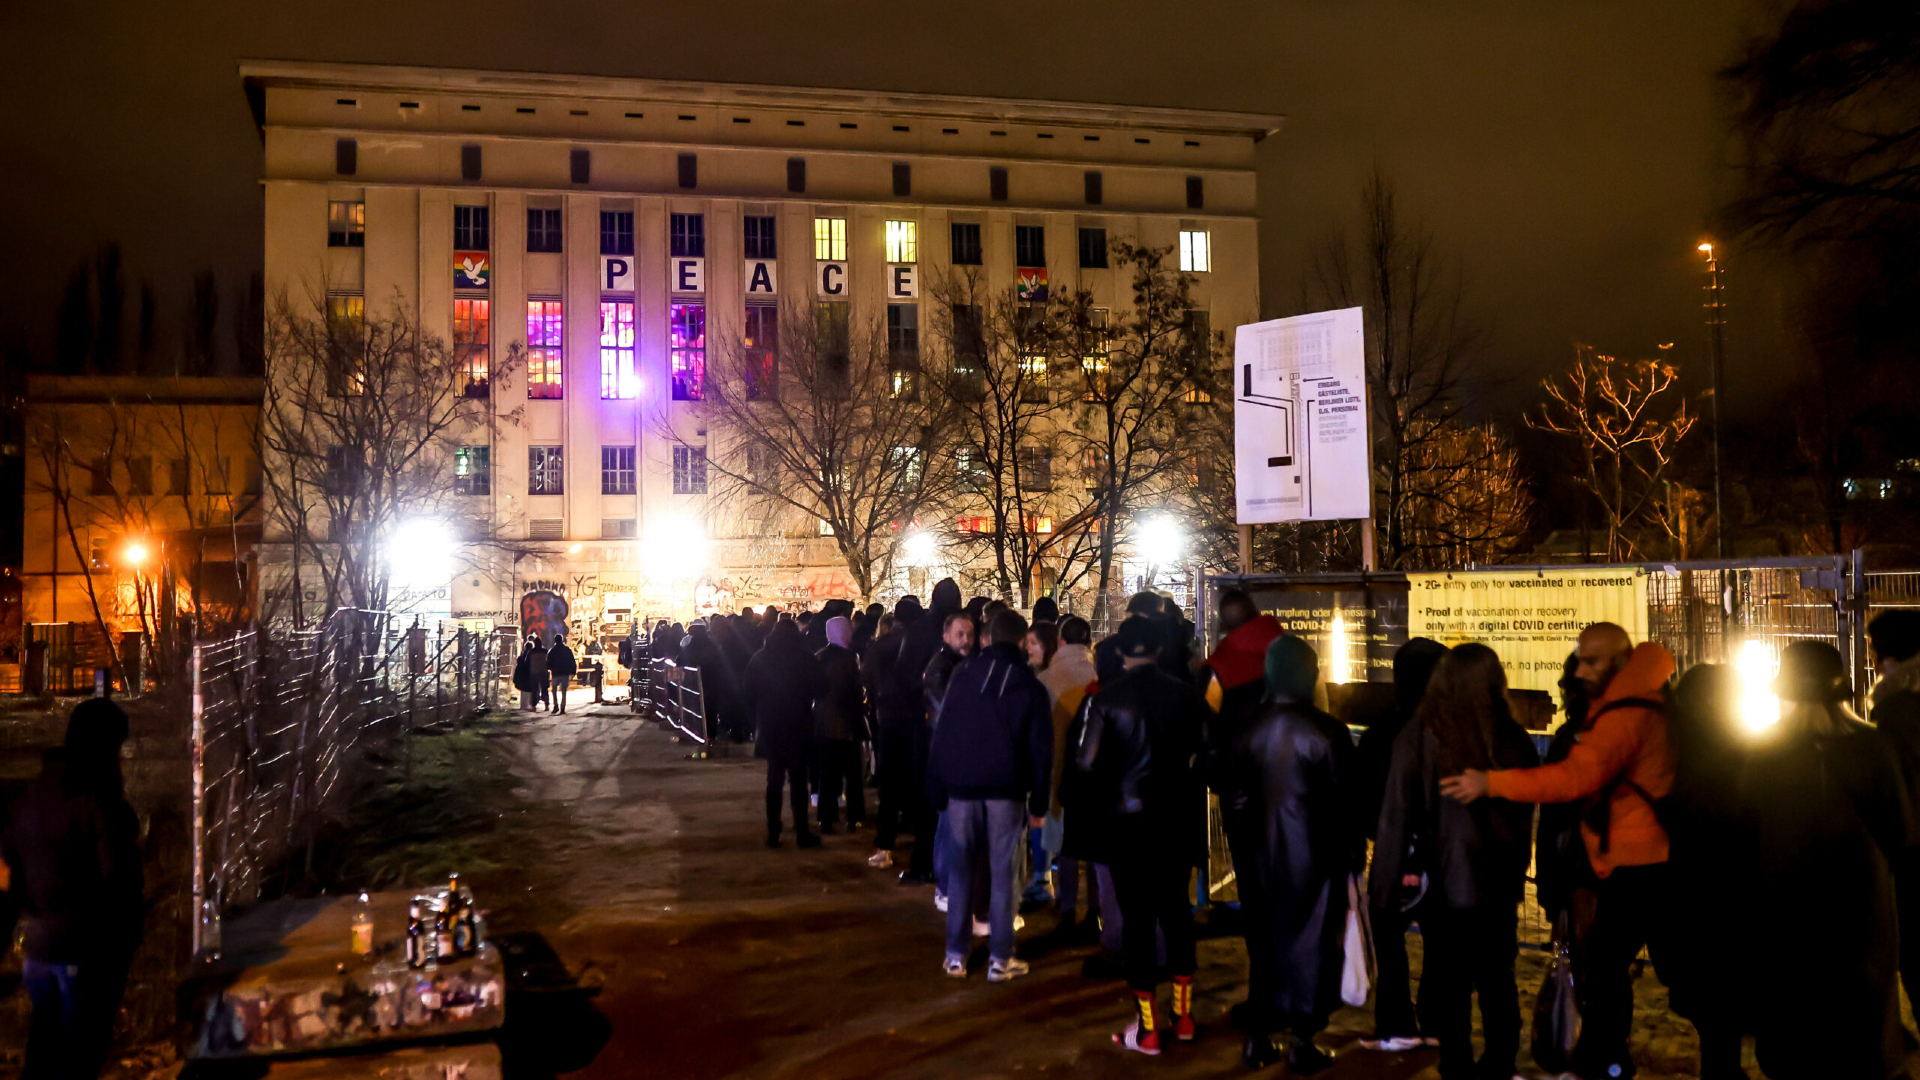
1716 307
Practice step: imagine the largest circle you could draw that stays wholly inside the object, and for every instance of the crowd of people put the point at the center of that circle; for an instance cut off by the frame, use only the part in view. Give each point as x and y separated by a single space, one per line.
1764 867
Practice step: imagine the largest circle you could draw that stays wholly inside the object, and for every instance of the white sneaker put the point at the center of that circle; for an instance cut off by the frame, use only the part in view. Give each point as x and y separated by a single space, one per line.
940 901
955 967
981 928
1396 1044
881 859
1003 970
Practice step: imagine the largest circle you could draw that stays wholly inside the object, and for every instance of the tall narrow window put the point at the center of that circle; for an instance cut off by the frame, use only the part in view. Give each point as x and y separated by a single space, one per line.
970 463
140 476
1095 188
997 183
909 466
470 162
580 164
760 234
346 156
471 338
543 229
1094 468
833 343
797 175
1196 251
1096 365
1093 249
470 229
689 171
616 470
1197 334
100 473
616 232
1030 336
689 236
546 471
1030 245
830 238
618 376
902 179
966 243
347 344
689 470
544 351
762 340
472 471
346 224
688 349
903 351
1196 193
903 241
969 353
1035 468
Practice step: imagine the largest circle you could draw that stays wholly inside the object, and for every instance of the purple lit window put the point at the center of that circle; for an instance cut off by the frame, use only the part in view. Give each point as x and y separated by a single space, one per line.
688 350
544 334
618 379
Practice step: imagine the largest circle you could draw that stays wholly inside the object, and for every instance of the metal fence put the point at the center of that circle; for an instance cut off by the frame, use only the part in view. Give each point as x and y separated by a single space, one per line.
279 725
673 695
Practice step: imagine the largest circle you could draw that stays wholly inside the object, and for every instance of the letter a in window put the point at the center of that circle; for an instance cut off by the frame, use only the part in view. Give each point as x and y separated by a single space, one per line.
760 278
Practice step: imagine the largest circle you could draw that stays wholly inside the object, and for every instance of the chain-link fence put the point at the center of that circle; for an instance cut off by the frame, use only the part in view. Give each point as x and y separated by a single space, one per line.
279 725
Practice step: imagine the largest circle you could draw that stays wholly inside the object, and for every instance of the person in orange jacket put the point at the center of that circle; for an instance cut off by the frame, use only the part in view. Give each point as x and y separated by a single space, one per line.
1620 766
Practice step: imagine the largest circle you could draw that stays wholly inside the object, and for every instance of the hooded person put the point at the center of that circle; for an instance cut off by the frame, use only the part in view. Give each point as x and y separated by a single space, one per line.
702 651
839 725
901 741
782 684
1236 671
1288 812
1830 816
1046 610
523 674
72 849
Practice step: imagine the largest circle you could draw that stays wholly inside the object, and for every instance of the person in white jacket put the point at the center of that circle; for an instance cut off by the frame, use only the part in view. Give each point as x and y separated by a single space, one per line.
1066 673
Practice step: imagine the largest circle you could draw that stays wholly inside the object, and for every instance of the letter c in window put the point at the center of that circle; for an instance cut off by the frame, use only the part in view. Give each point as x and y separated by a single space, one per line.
833 279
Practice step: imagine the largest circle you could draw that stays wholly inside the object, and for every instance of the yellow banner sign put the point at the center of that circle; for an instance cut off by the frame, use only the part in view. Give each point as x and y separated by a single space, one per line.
1530 617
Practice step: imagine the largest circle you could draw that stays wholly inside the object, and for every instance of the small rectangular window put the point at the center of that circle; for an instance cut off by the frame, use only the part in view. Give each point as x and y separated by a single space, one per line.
346 156
902 179
830 238
616 232
1196 251
1034 468
580 164
546 470
966 243
796 174
346 224
1094 191
689 240
903 351
619 379
689 170
179 479
970 463
903 241
909 466
100 473
760 237
834 345
1093 249
687 349
1030 245
689 470
1196 193
472 229
616 470
471 337
140 476
543 229
545 335
470 162
762 343
997 183
473 471
616 529
219 475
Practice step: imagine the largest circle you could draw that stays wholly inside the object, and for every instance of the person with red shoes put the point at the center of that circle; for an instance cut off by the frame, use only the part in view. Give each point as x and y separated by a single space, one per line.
1138 787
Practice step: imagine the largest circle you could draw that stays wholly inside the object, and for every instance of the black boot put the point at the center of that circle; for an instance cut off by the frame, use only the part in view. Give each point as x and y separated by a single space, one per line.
1305 1059
1258 1052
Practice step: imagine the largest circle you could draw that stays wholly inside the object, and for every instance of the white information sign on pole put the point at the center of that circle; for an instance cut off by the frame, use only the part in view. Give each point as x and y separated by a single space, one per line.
1300 419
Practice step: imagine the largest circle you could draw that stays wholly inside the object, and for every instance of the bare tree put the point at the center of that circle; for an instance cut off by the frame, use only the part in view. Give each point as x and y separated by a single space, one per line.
1625 421
829 426
361 419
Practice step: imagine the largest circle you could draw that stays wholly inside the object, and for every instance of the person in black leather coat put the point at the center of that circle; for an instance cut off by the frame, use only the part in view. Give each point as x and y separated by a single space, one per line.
1464 865
1288 810
782 683
1140 801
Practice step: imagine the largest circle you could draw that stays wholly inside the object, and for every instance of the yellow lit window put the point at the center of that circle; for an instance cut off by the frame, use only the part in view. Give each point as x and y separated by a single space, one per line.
1196 252
1035 379
903 241
830 238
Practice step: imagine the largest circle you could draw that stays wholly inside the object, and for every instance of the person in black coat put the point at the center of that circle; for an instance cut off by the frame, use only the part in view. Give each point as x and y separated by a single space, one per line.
1830 817
702 651
1289 816
1396 1028
1894 637
1464 865
895 667
839 726
72 849
783 681
537 676
560 668
1139 784
523 674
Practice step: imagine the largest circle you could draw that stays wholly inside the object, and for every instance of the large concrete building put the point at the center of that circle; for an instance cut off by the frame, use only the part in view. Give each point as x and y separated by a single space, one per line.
613 227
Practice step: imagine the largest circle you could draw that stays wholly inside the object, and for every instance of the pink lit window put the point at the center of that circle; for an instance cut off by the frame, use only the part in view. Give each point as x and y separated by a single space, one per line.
688 350
544 335
618 378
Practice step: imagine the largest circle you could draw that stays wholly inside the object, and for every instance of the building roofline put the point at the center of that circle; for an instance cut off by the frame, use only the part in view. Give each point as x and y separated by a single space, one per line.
145 389
258 74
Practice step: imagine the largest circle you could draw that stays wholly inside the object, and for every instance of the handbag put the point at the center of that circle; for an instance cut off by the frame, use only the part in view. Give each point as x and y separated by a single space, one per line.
1357 970
1556 1012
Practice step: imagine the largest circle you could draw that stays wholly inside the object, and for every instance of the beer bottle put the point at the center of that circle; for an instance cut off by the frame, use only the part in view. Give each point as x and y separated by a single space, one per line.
363 926
416 932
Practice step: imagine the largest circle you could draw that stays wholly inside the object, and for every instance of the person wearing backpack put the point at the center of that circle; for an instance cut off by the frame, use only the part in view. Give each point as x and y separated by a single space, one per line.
1622 767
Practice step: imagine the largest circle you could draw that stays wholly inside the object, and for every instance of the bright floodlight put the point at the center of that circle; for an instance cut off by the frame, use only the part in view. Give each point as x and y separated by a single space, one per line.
675 547
420 554
134 554
1756 666
1705 247
919 548
1159 541
1337 651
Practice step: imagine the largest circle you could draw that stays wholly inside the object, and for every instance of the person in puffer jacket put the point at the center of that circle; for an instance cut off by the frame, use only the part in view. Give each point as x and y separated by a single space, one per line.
989 769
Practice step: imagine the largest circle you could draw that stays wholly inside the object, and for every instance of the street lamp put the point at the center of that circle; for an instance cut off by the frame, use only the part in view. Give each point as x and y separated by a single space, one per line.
420 554
675 547
134 554
919 548
1716 320
1159 541
1759 706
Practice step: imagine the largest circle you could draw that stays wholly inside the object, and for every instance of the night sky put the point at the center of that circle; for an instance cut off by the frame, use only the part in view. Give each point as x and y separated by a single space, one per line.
1567 154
